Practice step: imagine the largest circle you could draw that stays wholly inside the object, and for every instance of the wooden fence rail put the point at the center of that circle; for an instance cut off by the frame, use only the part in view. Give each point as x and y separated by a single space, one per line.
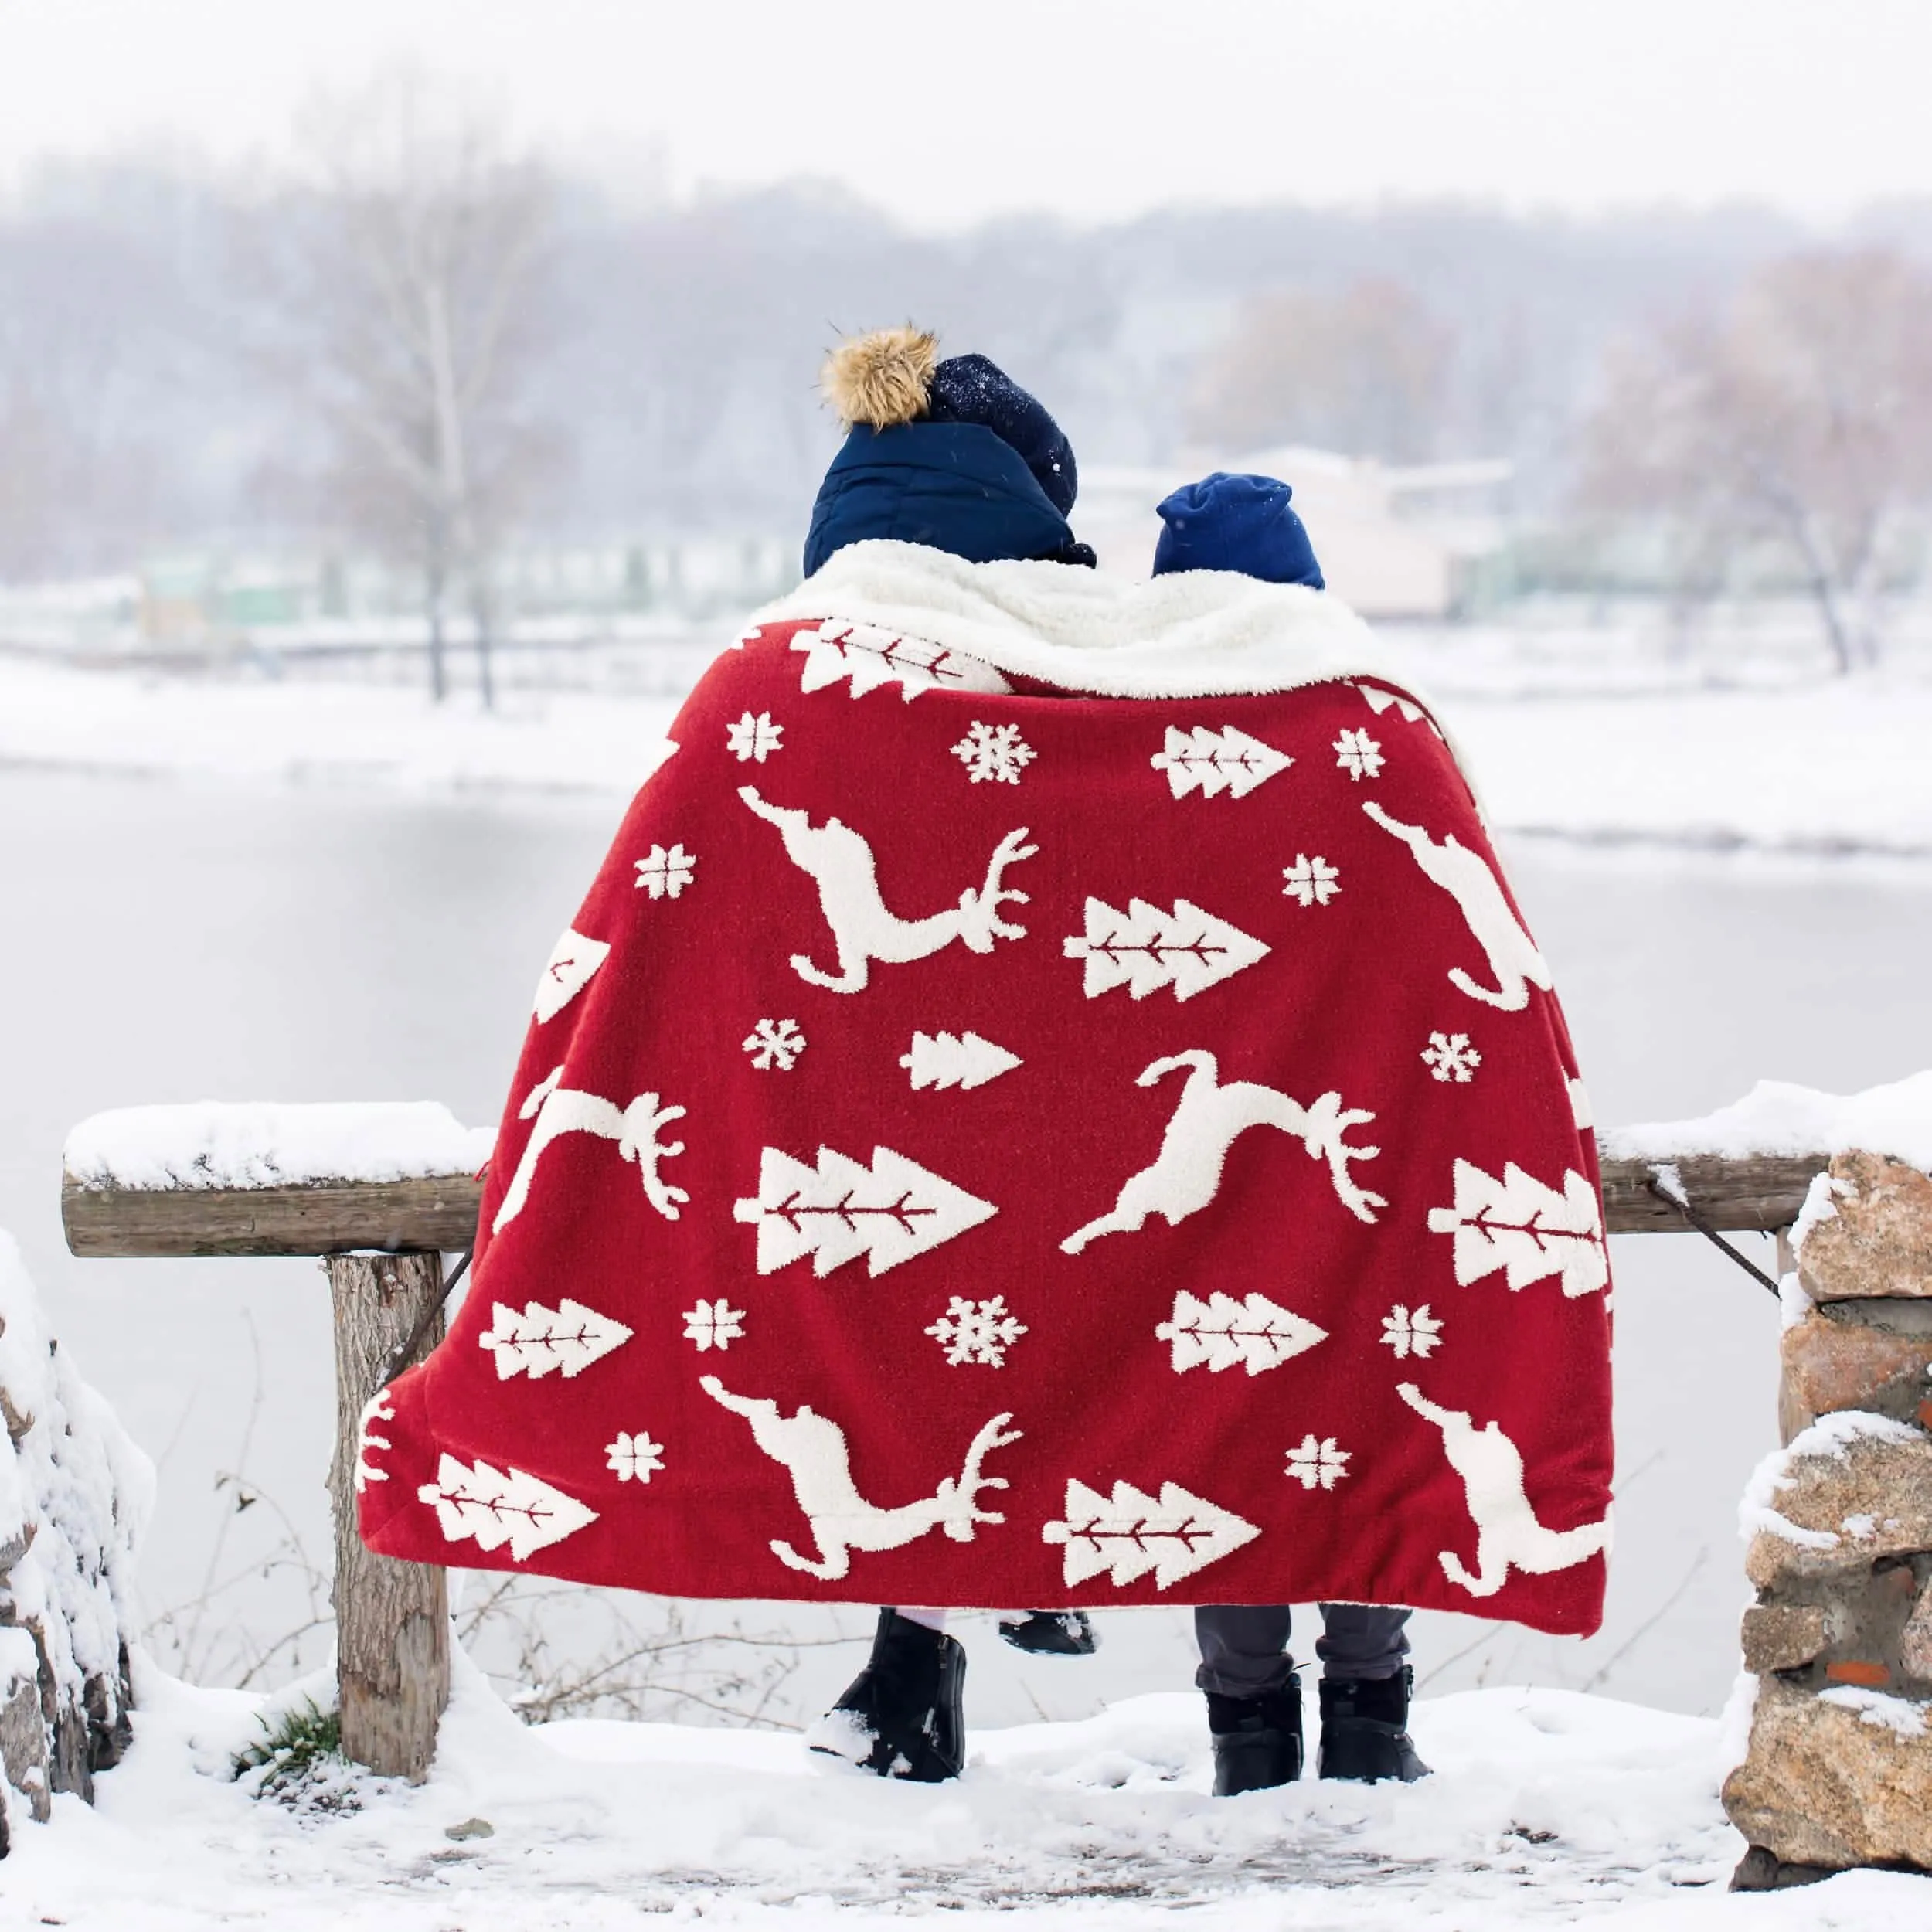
384 1242
1759 1194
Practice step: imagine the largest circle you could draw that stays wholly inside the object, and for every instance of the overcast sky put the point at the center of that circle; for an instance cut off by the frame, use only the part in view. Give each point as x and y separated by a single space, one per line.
1089 108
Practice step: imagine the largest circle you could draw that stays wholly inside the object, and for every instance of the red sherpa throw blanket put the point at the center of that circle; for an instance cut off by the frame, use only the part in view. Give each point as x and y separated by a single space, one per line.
984 1143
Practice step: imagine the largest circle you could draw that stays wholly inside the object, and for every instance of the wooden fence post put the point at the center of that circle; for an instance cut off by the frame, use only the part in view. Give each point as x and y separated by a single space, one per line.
392 1618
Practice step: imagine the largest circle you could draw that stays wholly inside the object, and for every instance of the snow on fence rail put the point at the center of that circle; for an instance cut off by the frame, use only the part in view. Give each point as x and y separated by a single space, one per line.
384 1192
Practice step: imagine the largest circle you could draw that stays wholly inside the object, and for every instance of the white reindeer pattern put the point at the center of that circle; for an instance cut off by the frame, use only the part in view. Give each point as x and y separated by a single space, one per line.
562 1110
865 928
1508 1534
1466 877
1207 1120
813 1447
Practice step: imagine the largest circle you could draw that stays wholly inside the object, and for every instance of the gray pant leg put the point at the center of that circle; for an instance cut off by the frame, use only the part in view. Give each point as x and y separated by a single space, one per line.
1362 1640
1243 1648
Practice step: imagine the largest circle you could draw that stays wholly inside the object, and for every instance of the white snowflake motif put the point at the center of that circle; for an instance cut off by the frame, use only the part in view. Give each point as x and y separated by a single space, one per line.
665 874
1449 1056
994 751
634 1457
751 738
1318 1465
775 1042
1411 1333
977 1331
713 1325
1313 881
1358 755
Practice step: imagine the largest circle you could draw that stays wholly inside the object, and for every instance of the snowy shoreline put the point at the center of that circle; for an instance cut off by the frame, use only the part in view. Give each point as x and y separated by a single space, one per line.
1815 772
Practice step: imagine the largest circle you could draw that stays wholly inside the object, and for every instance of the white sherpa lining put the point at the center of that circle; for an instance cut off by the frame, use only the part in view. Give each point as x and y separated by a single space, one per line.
1195 634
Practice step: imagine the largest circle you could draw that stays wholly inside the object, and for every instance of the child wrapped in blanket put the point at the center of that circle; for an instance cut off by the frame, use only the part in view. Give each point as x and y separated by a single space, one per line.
901 1716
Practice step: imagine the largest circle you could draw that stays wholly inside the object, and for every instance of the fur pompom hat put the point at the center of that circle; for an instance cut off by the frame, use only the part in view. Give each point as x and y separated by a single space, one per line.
894 376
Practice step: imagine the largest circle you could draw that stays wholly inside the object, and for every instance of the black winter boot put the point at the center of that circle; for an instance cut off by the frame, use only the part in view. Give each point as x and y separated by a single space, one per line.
1257 1740
1051 1633
1365 1733
901 1715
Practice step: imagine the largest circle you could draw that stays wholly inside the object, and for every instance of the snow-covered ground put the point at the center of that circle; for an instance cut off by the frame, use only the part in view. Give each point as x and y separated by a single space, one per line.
1797 764
1547 1808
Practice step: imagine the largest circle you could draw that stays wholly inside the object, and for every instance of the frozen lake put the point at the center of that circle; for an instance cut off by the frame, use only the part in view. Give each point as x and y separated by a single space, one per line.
180 942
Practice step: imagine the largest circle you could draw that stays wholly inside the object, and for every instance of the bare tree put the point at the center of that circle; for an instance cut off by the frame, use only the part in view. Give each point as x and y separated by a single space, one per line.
421 252
1362 372
1800 413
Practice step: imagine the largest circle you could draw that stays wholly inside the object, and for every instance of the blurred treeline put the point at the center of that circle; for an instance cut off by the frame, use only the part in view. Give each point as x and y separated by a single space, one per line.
172 340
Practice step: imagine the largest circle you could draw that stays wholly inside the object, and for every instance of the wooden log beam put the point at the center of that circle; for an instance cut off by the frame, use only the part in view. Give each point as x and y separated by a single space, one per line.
1759 1194
392 1618
327 1217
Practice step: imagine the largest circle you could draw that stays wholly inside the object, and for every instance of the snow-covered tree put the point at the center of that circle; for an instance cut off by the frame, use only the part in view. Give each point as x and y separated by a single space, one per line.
1799 415
841 1210
1125 1535
1144 949
1525 1228
1253 1333
569 1337
412 276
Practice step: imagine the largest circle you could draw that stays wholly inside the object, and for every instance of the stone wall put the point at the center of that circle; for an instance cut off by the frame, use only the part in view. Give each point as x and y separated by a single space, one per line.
74 1494
1838 1772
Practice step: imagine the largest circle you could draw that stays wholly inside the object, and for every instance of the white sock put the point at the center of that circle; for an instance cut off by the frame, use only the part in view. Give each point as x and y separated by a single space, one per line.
932 1620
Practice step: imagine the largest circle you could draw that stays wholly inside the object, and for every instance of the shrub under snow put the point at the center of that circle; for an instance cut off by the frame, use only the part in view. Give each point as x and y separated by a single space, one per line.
74 1497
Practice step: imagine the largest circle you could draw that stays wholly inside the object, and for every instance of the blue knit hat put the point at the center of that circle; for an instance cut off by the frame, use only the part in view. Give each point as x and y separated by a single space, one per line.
969 388
1243 523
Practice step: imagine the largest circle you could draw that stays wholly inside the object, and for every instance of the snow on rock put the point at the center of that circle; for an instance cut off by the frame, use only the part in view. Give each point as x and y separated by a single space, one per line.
1778 1117
1831 1435
223 1144
1547 1808
74 1497
1900 1715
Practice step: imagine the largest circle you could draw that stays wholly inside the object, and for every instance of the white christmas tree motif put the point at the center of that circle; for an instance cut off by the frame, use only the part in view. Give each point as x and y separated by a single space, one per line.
1144 949
751 738
663 873
1313 881
1449 1056
977 1331
775 1042
1212 762
1527 1229
1411 1331
1380 700
1125 1535
840 1209
498 1506
714 1325
994 751
1254 1333
566 972
569 1337
942 1060
1358 755
1579 1107
633 1457
379 1408
1318 1465
871 657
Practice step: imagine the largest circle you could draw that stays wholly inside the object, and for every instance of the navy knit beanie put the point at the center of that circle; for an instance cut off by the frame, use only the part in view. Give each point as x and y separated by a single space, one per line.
969 388
1243 523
